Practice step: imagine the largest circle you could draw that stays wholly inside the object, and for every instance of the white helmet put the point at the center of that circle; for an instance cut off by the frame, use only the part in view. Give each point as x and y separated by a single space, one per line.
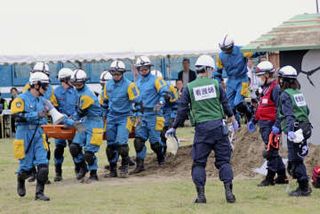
156 73
41 67
105 76
143 61
227 43
79 75
204 62
264 67
288 72
65 73
117 66
38 77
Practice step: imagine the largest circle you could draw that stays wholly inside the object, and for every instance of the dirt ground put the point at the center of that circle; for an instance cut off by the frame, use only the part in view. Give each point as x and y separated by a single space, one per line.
247 155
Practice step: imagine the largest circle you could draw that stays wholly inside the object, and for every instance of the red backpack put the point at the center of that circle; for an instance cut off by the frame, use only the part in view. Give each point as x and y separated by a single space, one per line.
316 177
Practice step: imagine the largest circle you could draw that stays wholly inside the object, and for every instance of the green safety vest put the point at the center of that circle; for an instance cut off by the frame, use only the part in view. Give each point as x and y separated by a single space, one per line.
299 106
205 103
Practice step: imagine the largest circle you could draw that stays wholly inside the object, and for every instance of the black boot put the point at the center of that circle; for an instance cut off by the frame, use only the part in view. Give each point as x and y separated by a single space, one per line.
93 175
113 171
83 170
269 180
201 198
282 177
21 187
32 177
139 166
76 168
302 190
58 176
124 167
40 192
131 162
230 197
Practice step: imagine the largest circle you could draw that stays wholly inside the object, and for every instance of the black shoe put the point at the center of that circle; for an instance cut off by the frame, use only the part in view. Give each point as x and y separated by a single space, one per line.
265 183
21 187
83 171
113 172
282 177
76 168
93 176
124 173
201 198
32 177
230 197
58 176
269 180
160 158
40 193
302 190
139 167
131 162
281 180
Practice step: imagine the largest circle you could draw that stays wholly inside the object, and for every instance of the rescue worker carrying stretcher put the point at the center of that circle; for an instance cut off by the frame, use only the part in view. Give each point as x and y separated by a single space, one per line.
265 116
208 105
153 92
30 146
123 104
66 97
88 111
49 95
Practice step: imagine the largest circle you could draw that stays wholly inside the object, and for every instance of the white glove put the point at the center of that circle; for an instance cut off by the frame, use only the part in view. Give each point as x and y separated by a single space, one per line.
171 131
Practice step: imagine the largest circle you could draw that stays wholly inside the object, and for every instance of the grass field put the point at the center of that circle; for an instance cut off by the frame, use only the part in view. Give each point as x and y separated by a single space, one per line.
148 194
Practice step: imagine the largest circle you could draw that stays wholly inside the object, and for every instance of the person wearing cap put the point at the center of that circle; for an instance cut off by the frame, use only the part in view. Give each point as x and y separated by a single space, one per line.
293 112
123 106
153 92
265 116
30 146
89 140
186 75
66 99
205 99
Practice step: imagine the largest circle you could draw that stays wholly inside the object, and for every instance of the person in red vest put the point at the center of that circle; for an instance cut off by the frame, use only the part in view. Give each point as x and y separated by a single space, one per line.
265 116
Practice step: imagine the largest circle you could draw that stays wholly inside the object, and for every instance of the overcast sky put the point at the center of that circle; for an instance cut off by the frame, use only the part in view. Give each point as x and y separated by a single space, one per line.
76 26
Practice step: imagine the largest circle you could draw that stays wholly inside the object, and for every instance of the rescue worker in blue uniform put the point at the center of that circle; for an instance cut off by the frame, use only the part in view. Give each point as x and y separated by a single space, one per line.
104 78
153 92
294 113
49 95
66 97
30 146
88 111
265 116
123 101
169 109
207 102
235 64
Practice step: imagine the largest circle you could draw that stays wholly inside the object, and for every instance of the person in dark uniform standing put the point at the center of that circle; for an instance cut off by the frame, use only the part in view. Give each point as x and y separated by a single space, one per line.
208 105
294 115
